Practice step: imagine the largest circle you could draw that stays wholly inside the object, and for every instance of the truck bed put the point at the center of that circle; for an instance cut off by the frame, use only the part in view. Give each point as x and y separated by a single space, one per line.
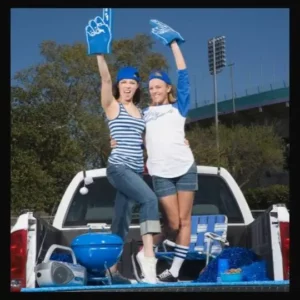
255 236
250 286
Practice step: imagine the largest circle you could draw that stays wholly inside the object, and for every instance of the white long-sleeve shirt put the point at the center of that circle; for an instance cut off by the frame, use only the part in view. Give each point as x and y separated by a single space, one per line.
168 155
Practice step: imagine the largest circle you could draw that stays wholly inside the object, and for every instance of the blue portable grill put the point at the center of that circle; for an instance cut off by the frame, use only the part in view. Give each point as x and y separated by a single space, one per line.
97 252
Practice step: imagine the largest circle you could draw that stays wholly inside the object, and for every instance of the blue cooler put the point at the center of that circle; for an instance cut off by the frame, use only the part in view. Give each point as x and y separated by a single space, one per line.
97 251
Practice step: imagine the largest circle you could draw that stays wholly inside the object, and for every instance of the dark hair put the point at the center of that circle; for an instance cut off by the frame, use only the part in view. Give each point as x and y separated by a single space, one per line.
136 97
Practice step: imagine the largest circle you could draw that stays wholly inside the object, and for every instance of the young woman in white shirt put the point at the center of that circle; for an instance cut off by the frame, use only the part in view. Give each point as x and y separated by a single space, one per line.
170 161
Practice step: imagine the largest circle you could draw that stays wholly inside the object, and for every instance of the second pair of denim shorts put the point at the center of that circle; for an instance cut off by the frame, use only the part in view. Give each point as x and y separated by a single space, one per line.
169 186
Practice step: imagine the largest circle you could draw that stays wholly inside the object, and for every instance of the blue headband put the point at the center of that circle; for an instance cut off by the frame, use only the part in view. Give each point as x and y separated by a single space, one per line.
160 75
128 73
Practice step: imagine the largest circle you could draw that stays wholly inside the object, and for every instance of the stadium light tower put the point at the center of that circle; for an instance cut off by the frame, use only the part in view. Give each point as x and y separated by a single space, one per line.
232 90
216 63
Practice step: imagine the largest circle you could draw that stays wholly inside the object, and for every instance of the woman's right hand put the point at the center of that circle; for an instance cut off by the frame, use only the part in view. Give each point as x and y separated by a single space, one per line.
187 142
98 33
113 143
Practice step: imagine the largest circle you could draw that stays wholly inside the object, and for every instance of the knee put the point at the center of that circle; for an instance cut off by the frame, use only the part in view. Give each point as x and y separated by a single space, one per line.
173 225
184 222
172 230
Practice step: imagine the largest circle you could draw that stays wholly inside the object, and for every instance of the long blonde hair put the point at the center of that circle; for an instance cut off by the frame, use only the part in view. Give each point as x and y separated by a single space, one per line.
171 95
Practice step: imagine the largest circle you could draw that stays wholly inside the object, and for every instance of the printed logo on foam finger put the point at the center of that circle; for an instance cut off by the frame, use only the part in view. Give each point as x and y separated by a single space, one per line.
161 27
107 17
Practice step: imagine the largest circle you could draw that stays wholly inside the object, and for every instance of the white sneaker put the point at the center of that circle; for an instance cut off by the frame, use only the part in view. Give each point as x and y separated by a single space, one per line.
148 267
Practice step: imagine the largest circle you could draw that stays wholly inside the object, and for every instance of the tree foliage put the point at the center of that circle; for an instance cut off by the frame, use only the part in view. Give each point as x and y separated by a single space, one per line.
247 152
264 197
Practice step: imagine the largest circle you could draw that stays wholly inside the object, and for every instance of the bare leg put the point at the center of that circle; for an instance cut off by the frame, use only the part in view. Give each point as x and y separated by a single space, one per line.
170 210
113 268
158 238
148 245
185 201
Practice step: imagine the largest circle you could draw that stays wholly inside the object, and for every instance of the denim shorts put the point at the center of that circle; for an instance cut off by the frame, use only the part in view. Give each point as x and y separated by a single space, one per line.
169 186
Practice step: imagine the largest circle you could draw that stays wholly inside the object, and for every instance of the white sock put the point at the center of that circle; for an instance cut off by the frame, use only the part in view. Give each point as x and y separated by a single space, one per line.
179 257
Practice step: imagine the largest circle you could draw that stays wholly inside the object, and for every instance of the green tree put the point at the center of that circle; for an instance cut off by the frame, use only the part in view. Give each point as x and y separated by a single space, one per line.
247 152
264 197
43 155
58 126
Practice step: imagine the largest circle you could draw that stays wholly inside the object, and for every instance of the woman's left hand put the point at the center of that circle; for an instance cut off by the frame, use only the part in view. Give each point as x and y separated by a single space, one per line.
165 33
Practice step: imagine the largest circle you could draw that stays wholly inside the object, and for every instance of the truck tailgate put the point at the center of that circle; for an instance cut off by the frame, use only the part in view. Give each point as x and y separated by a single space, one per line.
262 286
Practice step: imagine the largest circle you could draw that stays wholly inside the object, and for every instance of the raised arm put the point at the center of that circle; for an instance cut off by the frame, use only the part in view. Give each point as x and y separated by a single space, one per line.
107 98
169 37
99 37
179 59
183 85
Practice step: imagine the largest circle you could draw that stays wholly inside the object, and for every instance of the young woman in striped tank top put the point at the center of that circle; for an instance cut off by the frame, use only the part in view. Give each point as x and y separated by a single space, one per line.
126 163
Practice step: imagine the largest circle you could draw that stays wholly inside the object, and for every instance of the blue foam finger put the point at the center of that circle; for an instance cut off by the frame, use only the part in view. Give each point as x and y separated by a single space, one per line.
165 33
100 37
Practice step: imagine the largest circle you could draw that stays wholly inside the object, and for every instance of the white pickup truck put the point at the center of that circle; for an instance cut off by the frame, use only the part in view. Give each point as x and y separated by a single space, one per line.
267 236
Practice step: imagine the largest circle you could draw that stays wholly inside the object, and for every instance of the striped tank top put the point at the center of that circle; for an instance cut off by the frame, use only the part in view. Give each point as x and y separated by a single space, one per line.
127 131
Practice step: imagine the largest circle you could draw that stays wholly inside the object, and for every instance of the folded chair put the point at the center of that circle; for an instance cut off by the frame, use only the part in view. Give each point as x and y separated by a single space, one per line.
208 238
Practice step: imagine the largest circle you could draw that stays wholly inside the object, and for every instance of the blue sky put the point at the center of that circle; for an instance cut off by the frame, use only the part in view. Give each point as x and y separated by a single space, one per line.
257 41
